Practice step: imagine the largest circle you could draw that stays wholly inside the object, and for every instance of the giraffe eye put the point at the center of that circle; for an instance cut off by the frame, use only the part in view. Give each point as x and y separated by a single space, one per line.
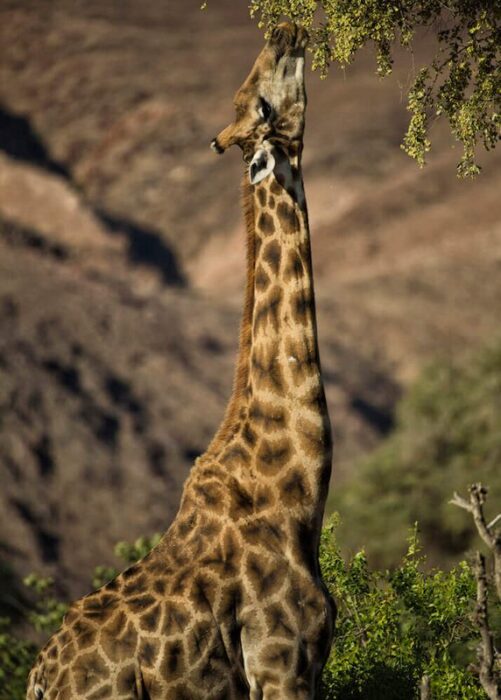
265 109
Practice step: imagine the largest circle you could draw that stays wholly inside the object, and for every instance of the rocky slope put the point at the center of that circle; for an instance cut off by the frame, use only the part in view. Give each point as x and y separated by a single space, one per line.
121 262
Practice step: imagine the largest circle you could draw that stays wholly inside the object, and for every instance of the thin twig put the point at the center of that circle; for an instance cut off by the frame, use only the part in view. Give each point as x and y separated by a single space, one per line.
461 502
494 521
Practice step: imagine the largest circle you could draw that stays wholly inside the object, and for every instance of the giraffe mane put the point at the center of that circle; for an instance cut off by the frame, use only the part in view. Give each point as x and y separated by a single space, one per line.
242 368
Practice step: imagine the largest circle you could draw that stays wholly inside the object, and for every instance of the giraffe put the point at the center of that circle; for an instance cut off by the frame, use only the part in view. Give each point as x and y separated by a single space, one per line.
230 603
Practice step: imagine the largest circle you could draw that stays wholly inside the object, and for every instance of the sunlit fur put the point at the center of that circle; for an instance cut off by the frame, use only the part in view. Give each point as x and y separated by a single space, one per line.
230 604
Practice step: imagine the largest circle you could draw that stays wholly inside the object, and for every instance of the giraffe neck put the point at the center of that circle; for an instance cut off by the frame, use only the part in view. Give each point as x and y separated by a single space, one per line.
277 410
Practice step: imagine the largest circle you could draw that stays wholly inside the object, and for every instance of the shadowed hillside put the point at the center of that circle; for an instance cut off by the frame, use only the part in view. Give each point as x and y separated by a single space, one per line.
121 261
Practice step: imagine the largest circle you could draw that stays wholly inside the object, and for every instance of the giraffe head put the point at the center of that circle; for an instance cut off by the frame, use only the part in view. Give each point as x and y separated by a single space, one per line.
270 104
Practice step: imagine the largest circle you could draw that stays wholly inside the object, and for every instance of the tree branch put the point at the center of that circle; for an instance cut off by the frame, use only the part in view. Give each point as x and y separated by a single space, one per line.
486 652
425 692
494 521
491 537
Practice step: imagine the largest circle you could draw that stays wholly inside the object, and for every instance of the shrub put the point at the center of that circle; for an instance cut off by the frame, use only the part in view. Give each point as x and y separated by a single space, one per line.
394 628
16 659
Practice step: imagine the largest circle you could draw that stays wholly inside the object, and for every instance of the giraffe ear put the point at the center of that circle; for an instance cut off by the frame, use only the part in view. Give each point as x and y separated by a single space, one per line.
261 165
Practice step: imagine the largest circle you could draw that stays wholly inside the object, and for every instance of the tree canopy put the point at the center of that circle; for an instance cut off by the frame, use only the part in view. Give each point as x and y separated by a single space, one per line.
461 82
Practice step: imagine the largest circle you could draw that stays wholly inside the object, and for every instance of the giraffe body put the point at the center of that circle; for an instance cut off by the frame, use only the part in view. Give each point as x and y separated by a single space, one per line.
230 603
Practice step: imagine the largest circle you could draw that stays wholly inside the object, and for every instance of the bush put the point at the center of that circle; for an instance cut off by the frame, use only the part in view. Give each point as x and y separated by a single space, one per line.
16 659
394 628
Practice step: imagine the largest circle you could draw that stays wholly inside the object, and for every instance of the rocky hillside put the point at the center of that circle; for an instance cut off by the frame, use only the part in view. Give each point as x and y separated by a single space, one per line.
121 261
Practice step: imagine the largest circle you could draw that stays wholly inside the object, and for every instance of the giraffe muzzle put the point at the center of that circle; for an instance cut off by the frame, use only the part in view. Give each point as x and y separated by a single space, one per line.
216 147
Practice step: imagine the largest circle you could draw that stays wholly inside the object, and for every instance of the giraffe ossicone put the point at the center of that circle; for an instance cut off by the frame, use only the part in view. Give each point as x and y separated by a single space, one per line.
231 604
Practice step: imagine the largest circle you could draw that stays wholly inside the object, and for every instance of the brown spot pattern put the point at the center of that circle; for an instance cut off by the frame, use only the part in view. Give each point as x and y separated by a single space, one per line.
287 218
261 195
272 456
267 369
261 279
266 224
272 254
294 269
276 188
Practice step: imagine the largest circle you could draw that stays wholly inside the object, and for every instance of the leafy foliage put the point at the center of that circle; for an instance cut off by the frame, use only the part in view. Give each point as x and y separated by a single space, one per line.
129 553
49 611
461 83
394 628
448 434
16 658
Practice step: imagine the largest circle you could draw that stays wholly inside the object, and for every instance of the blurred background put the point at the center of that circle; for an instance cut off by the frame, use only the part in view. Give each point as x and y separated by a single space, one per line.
121 280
